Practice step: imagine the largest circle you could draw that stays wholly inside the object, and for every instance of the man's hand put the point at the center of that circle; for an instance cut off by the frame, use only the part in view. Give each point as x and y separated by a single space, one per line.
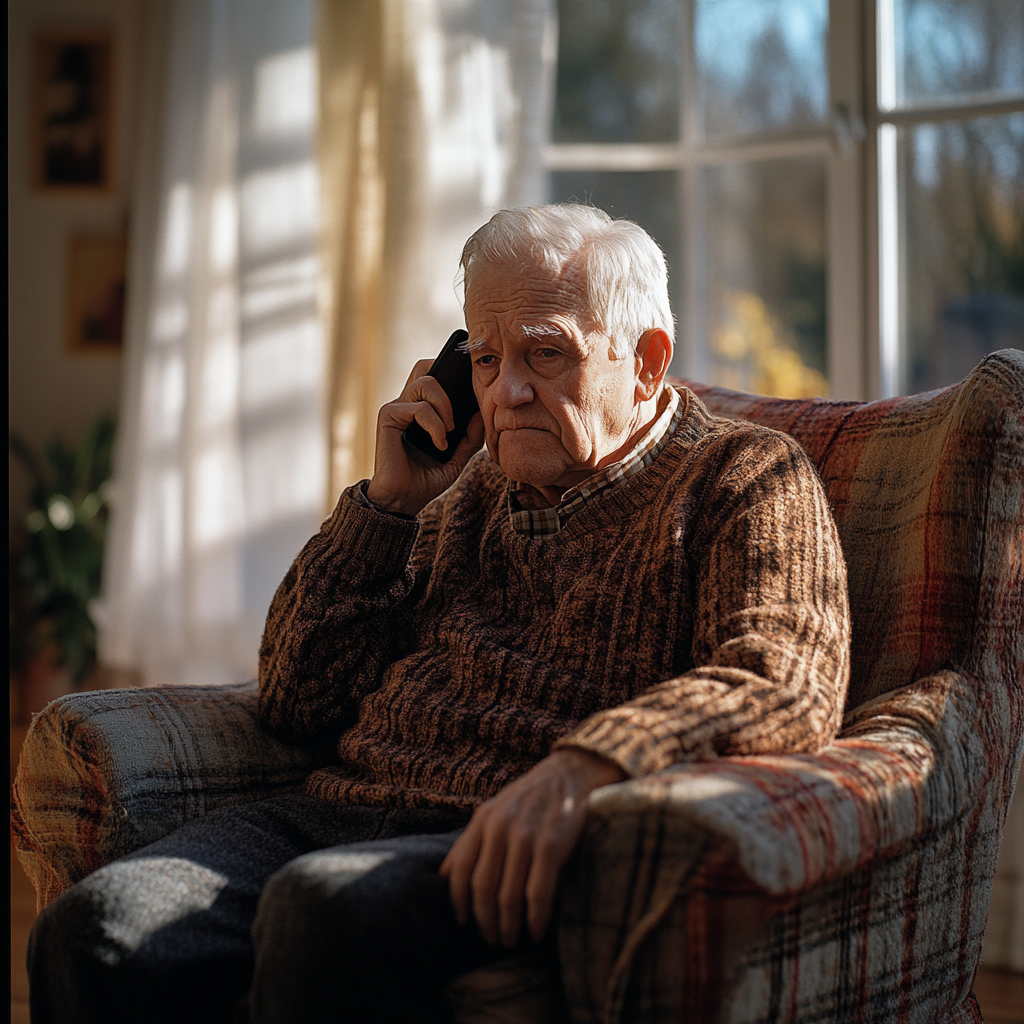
405 480
517 842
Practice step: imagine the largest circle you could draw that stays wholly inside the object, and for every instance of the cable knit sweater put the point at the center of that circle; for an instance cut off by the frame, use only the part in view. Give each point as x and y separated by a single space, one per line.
698 609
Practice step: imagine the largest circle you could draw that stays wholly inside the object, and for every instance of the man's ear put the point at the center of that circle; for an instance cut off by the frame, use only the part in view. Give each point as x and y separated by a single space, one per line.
653 357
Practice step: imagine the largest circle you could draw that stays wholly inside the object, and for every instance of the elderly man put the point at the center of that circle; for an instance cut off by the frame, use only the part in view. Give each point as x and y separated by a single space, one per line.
619 583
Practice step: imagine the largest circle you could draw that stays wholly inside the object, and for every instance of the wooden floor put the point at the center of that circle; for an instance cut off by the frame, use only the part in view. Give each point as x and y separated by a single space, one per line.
1001 995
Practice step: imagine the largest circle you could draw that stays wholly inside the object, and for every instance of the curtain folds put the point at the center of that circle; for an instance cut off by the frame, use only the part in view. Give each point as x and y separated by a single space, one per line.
220 471
434 114
258 228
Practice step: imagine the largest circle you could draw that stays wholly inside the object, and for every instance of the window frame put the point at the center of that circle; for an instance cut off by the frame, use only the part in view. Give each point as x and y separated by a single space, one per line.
885 263
863 288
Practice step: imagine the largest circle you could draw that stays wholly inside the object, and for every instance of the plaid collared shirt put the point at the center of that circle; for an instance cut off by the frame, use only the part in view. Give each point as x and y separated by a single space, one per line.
538 523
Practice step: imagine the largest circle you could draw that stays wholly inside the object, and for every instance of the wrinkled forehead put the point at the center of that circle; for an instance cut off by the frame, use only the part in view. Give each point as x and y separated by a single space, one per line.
528 294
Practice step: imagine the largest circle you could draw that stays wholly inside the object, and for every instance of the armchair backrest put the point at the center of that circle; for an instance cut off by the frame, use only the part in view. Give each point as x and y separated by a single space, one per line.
928 494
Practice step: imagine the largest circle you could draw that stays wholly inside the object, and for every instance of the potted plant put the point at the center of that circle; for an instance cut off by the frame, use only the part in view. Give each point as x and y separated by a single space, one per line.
58 574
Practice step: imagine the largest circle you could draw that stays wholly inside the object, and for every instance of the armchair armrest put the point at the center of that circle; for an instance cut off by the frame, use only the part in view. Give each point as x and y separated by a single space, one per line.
106 772
679 874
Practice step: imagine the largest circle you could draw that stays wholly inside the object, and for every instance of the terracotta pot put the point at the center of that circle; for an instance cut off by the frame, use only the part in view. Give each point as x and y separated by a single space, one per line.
44 680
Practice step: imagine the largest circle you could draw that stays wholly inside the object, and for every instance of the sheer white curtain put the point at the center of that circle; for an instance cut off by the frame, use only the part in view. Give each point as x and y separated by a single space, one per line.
220 471
434 114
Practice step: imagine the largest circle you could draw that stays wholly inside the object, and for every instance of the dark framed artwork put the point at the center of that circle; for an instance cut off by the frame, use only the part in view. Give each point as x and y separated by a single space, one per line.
72 116
95 293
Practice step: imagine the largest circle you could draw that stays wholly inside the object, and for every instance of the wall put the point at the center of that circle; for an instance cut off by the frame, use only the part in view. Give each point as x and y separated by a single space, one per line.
54 392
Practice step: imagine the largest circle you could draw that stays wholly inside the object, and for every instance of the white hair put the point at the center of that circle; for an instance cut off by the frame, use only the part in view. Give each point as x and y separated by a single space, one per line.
622 271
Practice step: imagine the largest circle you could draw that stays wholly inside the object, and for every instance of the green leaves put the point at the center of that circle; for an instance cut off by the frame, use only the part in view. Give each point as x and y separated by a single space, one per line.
59 573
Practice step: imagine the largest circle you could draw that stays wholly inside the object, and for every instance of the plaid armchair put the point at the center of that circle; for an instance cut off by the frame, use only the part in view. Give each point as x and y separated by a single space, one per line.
849 885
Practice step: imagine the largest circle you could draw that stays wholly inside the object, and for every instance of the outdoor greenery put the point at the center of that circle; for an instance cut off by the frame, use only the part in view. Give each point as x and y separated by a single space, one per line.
58 575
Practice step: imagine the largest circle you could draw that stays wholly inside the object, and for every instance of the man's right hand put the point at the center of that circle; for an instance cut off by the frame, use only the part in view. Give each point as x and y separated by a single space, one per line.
404 479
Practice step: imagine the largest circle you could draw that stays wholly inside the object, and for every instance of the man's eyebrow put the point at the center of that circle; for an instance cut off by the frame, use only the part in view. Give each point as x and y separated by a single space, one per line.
472 344
541 330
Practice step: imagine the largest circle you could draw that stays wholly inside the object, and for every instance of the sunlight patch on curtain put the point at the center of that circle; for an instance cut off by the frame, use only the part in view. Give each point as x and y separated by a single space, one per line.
221 473
434 114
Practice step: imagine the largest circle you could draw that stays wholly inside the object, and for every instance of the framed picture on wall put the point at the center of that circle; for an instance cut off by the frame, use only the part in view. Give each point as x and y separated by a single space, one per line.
72 121
95 293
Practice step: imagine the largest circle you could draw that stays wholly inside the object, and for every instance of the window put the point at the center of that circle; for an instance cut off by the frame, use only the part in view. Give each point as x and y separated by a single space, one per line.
950 159
840 219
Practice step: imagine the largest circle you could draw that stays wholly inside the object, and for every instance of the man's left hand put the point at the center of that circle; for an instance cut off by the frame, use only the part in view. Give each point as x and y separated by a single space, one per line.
516 843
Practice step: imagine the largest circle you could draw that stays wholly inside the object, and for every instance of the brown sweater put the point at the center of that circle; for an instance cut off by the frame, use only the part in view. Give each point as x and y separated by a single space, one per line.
698 609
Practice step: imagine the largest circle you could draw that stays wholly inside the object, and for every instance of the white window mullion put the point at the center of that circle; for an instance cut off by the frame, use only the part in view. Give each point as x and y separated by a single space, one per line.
890 377
892 117
886 66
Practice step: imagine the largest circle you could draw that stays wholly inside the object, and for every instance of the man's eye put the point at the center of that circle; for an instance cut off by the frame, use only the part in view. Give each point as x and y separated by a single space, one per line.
548 353
485 360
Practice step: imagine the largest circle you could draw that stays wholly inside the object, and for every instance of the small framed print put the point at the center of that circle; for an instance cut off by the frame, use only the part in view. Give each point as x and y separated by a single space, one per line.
72 115
95 293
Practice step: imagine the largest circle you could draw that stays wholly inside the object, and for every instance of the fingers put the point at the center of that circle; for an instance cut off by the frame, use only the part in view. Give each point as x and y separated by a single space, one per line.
519 864
421 369
540 887
425 402
486 878
486 874
458 869
518 857
427 417
404 481
429 390
509 858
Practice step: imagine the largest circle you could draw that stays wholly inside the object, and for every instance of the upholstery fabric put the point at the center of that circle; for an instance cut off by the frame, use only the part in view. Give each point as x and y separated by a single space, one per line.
848 885
106 772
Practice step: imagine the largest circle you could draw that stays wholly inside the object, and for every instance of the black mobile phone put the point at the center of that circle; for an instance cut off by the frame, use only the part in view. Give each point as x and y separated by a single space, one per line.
453 370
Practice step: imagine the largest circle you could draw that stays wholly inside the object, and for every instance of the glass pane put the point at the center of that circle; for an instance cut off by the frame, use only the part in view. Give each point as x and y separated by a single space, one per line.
963 245
758 250
651 198
761 64
948 49
619 70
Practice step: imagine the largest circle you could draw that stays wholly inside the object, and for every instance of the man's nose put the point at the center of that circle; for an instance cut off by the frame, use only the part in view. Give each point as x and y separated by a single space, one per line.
512 386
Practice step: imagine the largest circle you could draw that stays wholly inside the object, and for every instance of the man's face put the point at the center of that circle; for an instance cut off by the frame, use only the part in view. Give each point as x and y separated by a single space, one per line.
556 403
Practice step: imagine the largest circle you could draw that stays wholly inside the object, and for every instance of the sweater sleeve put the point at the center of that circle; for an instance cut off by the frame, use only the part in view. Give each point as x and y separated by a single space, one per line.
336 621
771 632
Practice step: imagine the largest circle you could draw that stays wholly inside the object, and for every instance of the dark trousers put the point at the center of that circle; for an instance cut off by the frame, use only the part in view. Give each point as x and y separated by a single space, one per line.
321 912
